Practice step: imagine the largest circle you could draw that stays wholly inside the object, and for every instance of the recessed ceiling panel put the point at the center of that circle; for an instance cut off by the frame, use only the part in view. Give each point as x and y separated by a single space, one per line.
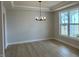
45 4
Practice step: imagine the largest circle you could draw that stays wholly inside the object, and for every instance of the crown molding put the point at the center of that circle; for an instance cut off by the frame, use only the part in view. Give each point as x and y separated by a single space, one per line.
63 5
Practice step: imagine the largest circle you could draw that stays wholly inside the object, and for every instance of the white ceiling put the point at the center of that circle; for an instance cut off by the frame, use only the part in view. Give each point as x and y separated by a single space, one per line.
34 5
45 4
30 5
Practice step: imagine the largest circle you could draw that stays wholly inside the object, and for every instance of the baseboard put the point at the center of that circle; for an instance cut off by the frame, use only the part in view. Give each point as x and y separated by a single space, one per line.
20 42
67 43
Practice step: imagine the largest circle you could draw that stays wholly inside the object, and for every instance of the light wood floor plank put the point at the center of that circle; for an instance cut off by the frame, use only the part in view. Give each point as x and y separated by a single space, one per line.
46 48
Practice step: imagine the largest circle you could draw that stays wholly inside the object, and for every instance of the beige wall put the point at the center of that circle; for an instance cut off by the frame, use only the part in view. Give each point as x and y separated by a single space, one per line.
22 26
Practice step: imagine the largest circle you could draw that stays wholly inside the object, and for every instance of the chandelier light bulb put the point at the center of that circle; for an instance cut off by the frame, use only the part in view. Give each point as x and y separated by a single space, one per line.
44 17
37 18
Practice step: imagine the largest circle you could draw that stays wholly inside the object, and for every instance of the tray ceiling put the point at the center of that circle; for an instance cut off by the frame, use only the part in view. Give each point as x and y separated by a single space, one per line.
34 5
30 5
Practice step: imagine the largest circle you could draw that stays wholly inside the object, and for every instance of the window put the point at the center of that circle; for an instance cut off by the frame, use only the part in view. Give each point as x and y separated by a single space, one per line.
64 23
69 23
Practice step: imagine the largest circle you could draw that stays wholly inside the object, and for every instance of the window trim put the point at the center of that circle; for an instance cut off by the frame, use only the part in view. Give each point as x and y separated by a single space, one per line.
68 24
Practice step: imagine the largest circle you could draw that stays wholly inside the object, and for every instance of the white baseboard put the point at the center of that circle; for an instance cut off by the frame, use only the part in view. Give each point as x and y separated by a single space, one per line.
20 42
75 46
28 41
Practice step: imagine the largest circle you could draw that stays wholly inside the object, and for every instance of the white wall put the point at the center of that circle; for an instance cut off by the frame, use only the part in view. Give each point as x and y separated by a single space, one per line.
22 26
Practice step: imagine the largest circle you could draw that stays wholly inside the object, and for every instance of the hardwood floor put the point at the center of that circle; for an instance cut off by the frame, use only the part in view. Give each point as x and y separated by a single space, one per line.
47 48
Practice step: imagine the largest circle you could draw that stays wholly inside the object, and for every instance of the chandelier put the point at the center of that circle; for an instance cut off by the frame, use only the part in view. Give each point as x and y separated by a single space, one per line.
40 18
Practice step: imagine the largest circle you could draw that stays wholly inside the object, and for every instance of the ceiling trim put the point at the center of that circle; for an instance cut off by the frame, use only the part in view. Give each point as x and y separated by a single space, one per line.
61 6
66 6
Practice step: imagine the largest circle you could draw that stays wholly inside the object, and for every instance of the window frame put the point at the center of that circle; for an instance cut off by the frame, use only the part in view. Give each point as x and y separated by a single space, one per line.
68 22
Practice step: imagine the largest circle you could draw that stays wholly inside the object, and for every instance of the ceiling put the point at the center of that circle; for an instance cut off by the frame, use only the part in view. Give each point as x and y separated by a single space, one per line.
33 5
45 4
30 5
